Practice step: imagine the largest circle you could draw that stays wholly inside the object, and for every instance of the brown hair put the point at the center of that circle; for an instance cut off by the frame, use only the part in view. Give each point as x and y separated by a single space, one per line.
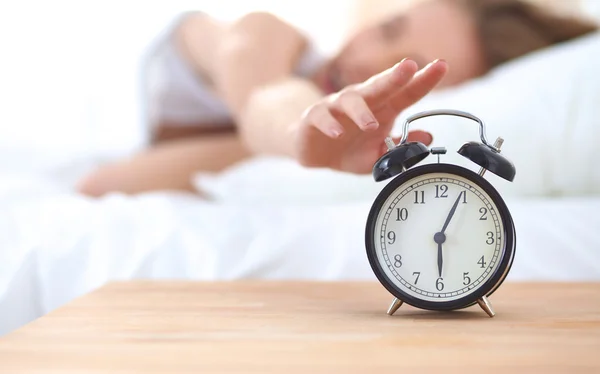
512 28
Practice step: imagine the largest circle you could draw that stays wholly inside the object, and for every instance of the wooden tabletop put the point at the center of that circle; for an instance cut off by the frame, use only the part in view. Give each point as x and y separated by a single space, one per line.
274 327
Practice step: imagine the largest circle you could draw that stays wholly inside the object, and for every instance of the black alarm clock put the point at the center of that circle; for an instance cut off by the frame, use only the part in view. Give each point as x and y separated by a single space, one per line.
439 236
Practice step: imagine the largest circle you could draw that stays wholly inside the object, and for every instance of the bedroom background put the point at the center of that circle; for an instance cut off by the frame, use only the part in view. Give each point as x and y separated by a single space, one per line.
70 98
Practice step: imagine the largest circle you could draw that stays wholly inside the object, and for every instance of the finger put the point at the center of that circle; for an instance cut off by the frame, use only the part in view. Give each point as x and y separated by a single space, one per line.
351 104
413 136
382 86
321 118
421 84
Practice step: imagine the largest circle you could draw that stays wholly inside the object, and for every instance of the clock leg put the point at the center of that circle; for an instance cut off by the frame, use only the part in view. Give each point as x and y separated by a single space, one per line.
484 303
397 303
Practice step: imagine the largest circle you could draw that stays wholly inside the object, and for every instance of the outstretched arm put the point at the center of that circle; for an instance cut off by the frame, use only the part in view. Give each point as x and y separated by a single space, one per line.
257 50
345 130
255 76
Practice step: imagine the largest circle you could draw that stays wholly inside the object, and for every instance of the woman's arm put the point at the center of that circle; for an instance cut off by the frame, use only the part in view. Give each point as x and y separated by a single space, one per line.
271 118
256 50
345 130
197 37
239 59
255 76
278 113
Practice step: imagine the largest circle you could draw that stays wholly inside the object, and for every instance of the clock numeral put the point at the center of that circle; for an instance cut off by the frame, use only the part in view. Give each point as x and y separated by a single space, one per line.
401 214
482 262
418 274
483 212
490 238
443 188
464 195
466 279
391 237
439 285
398 261
422 197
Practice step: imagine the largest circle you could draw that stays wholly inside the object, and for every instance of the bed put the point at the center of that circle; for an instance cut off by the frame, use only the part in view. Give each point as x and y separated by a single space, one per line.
57 246
272 219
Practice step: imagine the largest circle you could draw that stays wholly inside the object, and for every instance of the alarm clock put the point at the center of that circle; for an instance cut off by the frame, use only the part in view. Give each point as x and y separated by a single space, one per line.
439 236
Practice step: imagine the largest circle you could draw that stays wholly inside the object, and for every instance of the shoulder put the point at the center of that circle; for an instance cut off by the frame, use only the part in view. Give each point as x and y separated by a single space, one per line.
267 25
262 19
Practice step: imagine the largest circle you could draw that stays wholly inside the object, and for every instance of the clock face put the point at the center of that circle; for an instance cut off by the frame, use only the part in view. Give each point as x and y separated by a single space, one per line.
439 237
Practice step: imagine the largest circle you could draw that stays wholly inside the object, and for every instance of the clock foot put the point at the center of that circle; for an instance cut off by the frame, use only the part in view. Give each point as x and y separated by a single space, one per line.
397 303
484 303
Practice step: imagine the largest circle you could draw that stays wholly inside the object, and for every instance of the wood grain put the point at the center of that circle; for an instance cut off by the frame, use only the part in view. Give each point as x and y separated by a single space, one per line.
299 327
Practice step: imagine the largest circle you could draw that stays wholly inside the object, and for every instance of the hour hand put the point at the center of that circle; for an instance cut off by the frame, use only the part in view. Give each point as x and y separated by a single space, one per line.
451 212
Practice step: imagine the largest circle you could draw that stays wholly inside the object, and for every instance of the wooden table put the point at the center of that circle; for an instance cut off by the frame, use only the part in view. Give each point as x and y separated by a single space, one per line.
274 327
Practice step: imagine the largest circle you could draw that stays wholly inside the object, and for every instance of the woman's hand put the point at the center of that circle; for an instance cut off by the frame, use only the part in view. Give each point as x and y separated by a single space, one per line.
346 131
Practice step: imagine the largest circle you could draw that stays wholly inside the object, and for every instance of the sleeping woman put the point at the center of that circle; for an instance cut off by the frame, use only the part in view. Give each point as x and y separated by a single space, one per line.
220 93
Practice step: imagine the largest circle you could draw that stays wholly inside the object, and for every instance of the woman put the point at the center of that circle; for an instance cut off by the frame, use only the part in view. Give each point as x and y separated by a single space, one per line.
222 93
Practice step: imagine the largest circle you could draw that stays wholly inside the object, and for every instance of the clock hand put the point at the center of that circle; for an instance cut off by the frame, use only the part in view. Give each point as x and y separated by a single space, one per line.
451 212
440 259
440 237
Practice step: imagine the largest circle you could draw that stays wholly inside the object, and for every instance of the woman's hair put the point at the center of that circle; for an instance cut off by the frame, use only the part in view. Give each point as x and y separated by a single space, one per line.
511 28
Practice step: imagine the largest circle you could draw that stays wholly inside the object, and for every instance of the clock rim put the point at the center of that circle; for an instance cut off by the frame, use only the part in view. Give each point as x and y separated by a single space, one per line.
509 232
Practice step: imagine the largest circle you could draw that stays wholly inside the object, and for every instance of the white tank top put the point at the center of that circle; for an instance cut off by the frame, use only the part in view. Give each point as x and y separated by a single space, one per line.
176 94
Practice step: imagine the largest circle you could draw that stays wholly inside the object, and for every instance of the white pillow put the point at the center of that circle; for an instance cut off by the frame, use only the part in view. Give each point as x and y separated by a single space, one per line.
546 106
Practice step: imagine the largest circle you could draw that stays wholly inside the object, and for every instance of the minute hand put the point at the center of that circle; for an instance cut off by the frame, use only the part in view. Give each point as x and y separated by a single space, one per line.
451 212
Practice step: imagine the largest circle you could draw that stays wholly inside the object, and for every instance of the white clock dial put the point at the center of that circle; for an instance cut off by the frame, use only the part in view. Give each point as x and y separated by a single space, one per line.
413 247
